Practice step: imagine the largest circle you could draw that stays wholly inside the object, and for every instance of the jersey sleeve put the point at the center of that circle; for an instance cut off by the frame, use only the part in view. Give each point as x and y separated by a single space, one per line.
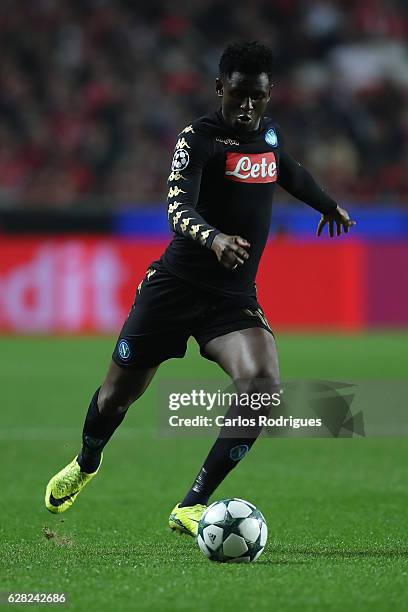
297 181
191 153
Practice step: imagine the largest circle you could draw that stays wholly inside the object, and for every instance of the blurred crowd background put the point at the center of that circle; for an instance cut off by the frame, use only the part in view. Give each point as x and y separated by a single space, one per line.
94 92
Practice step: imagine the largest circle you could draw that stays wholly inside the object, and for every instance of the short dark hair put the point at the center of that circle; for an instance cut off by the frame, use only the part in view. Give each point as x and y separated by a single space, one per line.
248 57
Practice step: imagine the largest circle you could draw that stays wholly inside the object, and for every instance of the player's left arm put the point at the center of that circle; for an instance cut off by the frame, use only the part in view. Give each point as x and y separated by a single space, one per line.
297 181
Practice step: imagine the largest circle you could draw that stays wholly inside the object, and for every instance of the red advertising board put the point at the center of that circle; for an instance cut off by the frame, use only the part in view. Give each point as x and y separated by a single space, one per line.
313 284
69 285
76 285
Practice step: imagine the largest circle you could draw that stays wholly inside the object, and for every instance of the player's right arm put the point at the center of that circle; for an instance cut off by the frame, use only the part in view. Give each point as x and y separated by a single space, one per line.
191 153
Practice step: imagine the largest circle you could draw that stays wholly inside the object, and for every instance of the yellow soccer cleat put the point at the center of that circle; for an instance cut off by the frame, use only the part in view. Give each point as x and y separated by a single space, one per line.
64 487
186 519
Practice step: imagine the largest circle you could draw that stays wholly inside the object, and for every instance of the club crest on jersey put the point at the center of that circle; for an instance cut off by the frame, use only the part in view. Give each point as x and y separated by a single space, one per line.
180 161
251 168
271 138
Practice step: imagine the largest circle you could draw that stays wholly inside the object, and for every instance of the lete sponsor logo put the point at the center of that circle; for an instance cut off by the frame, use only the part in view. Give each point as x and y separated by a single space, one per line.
251 168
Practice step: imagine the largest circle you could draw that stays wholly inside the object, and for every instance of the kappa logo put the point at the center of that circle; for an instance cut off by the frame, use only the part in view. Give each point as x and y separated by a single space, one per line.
182 143
251 168
174 191
184 225
194 230
260 314
205 234
149 273
175 176
173 207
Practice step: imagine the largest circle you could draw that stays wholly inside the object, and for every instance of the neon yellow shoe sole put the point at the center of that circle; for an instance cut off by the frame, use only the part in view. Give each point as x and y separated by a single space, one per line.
64 487
186 519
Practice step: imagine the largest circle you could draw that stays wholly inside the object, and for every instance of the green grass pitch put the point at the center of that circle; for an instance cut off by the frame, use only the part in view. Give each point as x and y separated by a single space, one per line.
337 510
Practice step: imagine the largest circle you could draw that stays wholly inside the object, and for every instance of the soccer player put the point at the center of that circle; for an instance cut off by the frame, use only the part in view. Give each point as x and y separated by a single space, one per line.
224 170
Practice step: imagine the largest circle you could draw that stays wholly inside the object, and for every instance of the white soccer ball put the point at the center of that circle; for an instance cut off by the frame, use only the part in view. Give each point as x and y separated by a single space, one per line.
232 530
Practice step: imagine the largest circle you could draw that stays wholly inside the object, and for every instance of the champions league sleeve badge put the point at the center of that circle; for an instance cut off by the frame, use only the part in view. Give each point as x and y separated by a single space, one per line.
180 161
271 138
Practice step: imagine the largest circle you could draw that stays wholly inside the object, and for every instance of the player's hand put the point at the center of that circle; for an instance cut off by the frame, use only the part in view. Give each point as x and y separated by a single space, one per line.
230 250
340 218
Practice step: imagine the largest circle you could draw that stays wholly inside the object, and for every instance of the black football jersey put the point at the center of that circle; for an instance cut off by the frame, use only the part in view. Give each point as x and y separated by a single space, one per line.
222 181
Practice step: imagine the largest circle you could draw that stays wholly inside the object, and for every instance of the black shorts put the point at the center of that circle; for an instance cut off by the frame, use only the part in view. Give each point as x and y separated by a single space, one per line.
167 311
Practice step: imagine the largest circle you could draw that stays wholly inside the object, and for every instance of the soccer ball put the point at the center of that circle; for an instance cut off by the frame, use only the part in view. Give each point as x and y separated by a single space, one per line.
232 530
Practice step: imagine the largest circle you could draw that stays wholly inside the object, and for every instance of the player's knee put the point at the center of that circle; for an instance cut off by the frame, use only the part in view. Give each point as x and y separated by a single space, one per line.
261 382
264 390
112 401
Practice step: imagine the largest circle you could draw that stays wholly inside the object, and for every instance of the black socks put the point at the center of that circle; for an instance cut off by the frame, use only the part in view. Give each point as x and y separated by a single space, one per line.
222 458
230 447
98 429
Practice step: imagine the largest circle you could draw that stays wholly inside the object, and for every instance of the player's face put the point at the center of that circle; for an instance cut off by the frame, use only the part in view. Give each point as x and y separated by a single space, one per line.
244 99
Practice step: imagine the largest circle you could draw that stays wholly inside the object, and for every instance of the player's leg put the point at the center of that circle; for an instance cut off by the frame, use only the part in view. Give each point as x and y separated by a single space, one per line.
107 409
156 329
249 356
